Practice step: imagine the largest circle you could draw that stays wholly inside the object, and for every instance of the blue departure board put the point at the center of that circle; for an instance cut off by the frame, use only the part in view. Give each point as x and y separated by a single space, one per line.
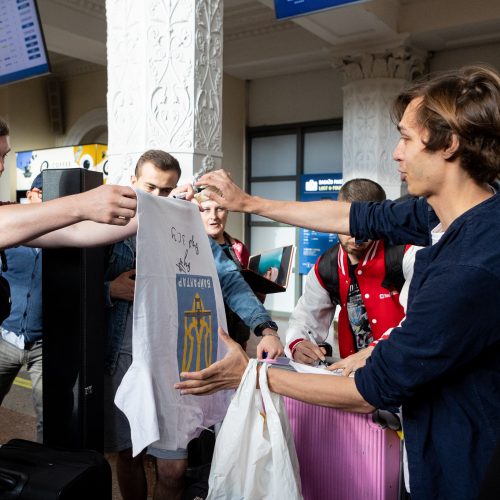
22 48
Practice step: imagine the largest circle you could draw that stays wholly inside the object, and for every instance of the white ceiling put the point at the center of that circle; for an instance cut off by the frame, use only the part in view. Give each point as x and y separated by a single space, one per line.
256 45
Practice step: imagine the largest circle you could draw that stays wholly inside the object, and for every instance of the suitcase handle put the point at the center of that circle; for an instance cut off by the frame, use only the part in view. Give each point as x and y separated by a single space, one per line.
11 482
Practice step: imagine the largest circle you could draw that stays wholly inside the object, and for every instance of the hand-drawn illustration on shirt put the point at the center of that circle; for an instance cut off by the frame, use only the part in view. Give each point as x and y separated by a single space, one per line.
178 308
196 342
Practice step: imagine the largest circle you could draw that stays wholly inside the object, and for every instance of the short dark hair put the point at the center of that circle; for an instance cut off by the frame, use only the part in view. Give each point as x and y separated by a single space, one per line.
361 190
160 159
464 102
4 128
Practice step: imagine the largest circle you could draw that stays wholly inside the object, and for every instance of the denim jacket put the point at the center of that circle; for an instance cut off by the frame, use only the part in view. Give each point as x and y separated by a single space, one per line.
235 292
24 275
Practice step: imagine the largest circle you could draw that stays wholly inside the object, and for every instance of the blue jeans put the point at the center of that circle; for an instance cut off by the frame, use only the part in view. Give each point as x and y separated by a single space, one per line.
12 359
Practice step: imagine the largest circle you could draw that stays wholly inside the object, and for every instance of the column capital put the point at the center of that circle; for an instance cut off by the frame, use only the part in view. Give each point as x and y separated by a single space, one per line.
401 62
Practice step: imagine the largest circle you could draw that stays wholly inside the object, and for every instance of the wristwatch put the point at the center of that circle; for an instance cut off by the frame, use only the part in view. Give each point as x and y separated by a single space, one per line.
267 324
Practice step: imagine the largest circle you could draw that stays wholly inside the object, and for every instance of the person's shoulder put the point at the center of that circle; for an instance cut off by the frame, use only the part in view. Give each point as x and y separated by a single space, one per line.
474 236
485 212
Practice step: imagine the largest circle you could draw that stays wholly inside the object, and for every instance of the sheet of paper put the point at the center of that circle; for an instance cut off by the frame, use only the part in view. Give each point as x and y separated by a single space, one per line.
315 370
177 309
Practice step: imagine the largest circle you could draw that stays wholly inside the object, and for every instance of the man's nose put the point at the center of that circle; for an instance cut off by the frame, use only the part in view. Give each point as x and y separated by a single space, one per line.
396 154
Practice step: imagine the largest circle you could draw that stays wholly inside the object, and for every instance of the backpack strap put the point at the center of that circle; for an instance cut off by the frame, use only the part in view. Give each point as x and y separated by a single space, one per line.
327 270
394 277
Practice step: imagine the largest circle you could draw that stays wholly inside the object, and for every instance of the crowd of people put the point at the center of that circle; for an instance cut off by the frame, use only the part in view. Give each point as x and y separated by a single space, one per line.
416 281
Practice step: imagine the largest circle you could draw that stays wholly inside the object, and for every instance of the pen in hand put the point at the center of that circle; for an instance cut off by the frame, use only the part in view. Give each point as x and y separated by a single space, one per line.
313 341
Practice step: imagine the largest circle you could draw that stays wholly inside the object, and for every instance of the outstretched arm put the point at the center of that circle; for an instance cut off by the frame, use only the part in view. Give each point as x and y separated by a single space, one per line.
326 216
106 205
337 392
85 234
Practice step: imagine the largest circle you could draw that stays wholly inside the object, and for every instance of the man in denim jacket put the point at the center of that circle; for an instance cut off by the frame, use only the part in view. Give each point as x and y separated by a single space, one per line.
158 172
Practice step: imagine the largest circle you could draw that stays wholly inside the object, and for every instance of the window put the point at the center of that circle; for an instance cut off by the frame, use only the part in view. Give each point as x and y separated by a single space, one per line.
277 157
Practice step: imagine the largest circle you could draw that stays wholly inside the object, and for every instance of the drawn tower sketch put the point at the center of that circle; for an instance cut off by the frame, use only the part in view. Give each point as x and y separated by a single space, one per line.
197 337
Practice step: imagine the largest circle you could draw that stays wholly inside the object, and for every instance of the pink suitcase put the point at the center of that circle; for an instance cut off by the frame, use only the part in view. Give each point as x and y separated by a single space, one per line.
343 456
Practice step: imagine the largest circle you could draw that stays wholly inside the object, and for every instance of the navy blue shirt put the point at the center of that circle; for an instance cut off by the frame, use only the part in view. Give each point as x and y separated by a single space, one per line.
24 275
443 363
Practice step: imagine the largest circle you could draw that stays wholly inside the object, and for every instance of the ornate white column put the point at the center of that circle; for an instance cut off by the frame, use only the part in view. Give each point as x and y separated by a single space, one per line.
369 136
164 82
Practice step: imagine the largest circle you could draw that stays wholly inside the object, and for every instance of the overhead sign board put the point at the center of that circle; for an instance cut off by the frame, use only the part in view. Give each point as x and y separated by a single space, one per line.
291 8
22 47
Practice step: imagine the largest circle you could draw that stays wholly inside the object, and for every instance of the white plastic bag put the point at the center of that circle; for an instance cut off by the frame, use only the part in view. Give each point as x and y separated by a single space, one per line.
255 457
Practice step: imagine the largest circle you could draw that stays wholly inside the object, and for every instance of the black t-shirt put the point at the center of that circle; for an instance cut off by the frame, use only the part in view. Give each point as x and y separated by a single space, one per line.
356 312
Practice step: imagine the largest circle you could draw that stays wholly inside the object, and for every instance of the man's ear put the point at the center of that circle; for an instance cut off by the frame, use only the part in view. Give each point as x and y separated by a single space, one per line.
133 180
450 150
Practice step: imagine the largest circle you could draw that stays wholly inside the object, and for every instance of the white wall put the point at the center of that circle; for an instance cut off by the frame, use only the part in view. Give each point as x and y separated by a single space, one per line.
233 141
295 98
24 106
83 93
455 58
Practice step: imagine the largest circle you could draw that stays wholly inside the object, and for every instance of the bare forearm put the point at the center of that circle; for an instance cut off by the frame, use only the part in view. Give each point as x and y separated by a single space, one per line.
324 390
85 234
20 223
325 216
114 205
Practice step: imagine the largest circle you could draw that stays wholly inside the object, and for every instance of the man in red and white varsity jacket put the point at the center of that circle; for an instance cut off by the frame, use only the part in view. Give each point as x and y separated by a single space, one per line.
363 279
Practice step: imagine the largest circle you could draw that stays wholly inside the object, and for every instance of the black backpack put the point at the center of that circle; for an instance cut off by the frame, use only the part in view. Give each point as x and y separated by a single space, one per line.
5 299
393 279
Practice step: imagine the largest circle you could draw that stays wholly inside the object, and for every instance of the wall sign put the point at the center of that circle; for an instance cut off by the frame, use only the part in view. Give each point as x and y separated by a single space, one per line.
312 244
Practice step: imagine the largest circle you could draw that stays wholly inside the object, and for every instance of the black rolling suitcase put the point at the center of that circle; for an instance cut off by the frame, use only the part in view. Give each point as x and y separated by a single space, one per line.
32 471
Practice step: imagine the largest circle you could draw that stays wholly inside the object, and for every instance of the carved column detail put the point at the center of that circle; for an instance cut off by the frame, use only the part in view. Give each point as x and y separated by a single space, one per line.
404 63
164 82
369 136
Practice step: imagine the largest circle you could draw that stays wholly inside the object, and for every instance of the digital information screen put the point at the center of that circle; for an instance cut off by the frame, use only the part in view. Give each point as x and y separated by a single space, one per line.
291 8
315 187
22 47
